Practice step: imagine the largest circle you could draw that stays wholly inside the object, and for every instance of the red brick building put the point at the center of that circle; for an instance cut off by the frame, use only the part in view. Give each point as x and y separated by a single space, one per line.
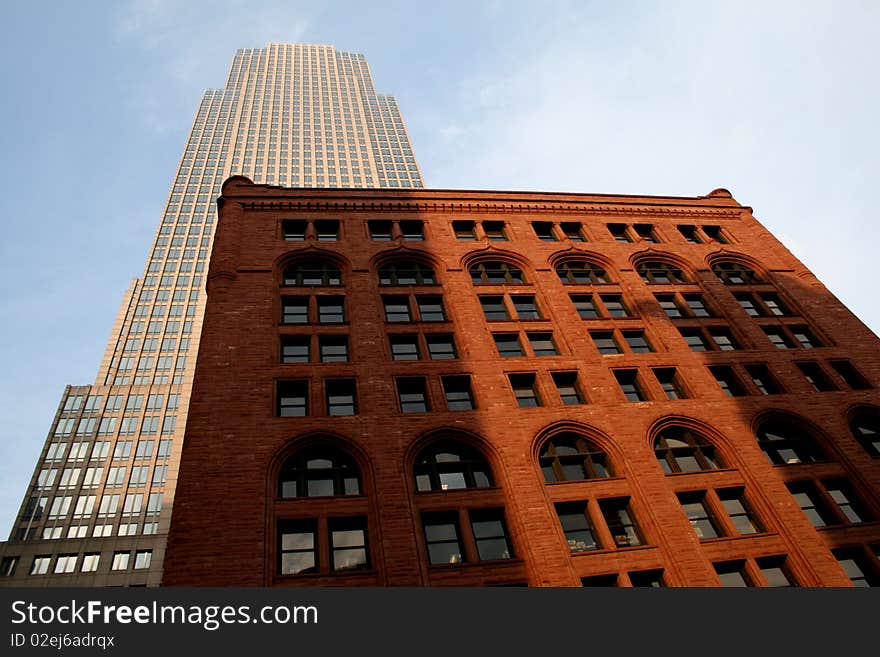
501 388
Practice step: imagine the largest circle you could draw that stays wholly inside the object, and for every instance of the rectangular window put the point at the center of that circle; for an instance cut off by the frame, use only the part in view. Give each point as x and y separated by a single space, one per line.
413 230
749 304
65 563
331 310
508 345
132 504
295 310
847 503
294 230
732 574
333 348
40 566
457 390
812 504
740 514
605 342
816 376
614 305
494 308
694 339
567 386
524 390
490 534
525 306
60 507
619 233
573 231
341 397
327 230
620 521
850 375
139 475
122 449
142 559
85 506
442 538
441 346
90 562
668 305
690 234
647 579
670 381
396 309
298 547
696 305
764 381
293 398
773 304
295 348
544 231
637 342
464 230
144 449
494 231
404 346
576 526
542 344
583 303
860 572
348 543
697 511
805 337
715 233
109 505
430 308
646 232
380 230
628 380
727 380
412 395
778 338
722 338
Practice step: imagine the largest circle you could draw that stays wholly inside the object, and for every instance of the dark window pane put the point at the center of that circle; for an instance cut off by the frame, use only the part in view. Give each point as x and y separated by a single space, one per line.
295 348
457 390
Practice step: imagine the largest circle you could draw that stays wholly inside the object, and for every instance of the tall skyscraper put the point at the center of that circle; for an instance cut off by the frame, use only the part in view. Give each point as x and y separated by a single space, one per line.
97 508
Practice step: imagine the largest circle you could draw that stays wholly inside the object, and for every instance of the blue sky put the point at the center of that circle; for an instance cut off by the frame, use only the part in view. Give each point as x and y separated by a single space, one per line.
777 102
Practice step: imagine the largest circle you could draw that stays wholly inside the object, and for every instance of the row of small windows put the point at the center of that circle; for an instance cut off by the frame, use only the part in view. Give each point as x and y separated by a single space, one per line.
497 272
413 392
386 230
88 562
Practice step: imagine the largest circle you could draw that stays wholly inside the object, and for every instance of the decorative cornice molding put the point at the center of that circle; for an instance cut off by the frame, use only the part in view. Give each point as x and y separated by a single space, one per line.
471 207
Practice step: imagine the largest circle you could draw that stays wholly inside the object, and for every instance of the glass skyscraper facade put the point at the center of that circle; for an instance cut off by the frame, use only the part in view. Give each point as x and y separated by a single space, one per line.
97 509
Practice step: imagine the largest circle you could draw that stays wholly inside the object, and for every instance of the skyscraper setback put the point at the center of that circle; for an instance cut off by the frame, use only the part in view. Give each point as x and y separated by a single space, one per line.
100 498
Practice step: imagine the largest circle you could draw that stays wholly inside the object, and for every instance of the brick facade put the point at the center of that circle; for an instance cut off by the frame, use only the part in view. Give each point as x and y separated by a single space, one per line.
227 513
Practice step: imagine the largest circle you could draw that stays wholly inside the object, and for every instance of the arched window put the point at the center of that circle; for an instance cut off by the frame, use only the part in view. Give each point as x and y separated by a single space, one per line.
312 272
581 273
406 272
865 427
319 472
785 443
734 273
451 465
680 450
654 271
571 457
495 272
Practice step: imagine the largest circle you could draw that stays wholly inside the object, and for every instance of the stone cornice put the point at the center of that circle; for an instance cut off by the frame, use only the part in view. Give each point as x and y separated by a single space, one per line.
471 207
